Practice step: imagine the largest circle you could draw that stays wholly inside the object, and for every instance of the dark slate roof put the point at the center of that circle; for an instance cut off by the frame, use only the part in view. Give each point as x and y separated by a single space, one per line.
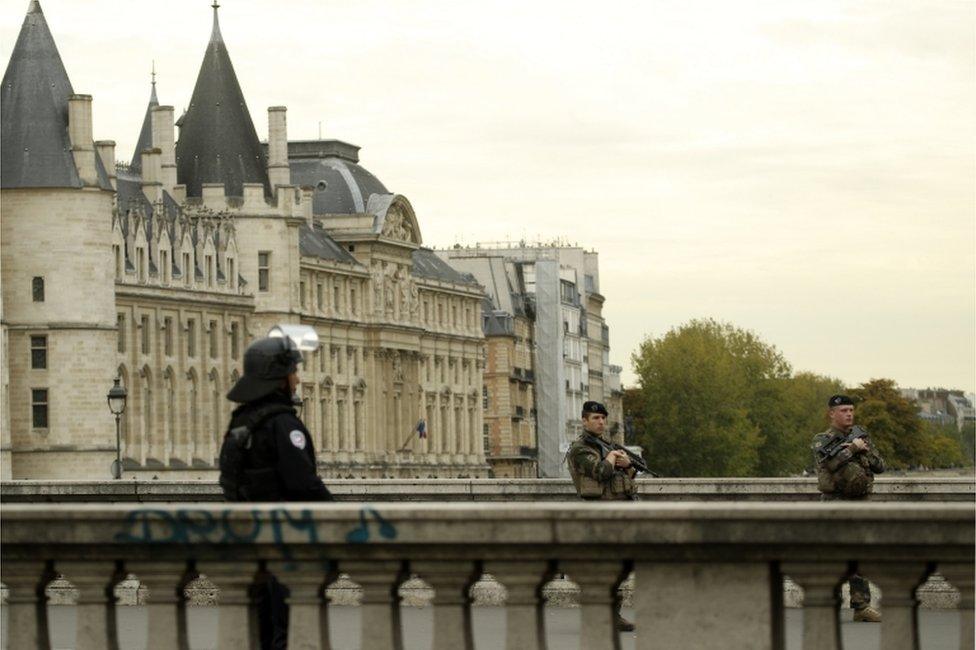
130 197
145 133
316 243
218 143
330 167
426 264
497 323
36 151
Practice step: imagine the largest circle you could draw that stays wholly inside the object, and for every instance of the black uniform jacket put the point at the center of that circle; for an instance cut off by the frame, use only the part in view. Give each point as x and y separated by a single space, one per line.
280 464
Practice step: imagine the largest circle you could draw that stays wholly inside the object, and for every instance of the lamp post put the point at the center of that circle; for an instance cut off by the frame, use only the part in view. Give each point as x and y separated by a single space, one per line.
116 404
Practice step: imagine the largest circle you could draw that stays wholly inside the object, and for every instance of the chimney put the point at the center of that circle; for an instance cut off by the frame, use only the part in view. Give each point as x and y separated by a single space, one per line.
151 172
278 172
307 194
80 134
163 138
106 151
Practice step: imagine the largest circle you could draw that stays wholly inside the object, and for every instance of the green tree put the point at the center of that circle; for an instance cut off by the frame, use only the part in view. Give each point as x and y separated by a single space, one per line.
896 429
706 389
944 446
800 412
967 440
635 414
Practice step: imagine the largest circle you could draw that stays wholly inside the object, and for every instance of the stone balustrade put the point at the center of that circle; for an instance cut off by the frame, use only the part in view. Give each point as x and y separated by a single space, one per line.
727 560
507 490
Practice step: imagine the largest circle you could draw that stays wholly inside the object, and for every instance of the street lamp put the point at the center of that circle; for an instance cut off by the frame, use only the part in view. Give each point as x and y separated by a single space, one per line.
116 404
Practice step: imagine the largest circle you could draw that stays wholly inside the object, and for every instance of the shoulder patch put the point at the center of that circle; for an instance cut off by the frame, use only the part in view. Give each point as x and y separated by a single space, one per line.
297 438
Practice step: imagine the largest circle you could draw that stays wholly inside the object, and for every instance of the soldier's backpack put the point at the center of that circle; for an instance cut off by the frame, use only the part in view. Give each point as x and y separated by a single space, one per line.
233 469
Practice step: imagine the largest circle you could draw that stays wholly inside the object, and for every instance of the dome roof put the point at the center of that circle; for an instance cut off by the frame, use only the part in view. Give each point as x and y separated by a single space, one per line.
331 168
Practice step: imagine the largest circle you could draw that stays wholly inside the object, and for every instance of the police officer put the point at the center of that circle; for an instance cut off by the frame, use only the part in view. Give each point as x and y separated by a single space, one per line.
278 463
599 477
848 475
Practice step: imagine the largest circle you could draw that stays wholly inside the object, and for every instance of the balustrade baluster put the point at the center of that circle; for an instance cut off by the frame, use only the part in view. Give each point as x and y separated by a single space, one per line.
598 582
95 611
899 607
380 610
960 576
525 625
821 583
26 604
166 607
236 627
307 616
452 604
705 605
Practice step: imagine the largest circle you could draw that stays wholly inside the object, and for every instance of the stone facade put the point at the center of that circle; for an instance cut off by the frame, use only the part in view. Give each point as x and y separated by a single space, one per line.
548 351
165 291
59 314
509 402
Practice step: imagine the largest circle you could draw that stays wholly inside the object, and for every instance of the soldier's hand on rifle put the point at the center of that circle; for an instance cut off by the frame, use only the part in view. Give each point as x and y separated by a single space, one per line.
618 458
859 445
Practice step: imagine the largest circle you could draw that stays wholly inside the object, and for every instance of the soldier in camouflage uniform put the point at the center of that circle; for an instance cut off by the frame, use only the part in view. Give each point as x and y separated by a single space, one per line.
601 478
848 476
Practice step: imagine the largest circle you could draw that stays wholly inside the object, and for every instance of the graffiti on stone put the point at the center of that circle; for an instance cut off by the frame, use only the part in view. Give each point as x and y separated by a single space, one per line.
360 535
195 526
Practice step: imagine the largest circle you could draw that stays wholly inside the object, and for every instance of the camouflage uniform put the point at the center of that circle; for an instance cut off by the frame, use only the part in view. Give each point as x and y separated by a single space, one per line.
595 479
847 479
842 477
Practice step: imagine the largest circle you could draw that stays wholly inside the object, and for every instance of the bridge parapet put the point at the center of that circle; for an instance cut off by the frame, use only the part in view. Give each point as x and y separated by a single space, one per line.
728 559
490 490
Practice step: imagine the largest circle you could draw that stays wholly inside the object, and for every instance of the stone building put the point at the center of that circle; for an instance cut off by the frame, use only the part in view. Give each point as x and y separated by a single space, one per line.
162 270
509 391
547 336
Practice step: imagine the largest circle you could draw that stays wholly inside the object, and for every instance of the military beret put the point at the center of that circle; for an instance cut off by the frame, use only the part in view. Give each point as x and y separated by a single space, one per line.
840 400
594 407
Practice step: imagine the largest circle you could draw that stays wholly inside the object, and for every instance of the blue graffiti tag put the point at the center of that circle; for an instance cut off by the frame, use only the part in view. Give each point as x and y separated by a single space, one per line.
360 534
184 526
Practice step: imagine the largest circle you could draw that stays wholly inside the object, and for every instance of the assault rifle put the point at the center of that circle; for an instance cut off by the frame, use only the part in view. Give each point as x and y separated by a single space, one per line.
635 461
838 446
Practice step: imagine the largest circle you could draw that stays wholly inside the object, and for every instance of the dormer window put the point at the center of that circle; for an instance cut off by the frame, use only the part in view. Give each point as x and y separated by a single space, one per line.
141 263
164 266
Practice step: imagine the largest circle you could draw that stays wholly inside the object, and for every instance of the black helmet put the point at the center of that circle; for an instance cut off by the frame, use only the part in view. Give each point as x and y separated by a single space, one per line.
266 362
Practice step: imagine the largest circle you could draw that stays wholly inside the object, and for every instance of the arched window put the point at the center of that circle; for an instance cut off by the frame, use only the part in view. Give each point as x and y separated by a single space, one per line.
124 425
169 416
146 411
192 414
216 408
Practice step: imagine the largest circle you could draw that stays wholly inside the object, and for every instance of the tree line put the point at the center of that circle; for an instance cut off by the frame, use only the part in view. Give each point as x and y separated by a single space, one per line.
716 400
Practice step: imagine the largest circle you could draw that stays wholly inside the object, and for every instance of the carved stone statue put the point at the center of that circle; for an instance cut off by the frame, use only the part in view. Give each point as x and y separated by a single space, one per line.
396 225
414 299
404 292
389 290
397 369
377 279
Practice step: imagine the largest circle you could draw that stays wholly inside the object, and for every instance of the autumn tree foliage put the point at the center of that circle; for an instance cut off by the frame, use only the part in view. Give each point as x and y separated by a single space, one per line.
715 400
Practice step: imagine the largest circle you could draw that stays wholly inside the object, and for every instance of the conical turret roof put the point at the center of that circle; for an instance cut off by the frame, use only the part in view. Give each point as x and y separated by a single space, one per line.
218 143
145 134
36 150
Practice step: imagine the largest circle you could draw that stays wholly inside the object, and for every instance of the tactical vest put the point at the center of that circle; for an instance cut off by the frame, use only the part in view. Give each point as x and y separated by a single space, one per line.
852 480
620 487
247 456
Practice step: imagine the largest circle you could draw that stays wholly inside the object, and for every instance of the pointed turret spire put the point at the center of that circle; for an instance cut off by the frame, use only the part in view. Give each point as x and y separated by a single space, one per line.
218 143
36 150
145 133
215 32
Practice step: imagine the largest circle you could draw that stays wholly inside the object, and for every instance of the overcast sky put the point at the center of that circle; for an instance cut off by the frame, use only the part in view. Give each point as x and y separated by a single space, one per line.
802 169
